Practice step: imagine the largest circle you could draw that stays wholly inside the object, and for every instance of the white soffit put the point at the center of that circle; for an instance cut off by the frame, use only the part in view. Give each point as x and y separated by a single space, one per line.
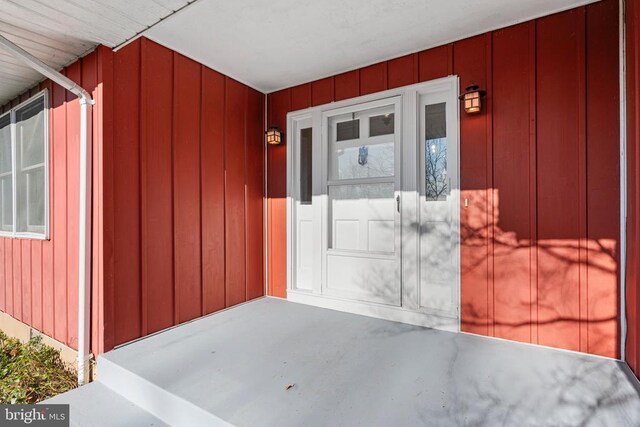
280 43
60 31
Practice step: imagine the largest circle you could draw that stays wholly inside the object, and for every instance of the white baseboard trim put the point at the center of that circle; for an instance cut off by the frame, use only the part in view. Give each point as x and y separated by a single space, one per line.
396 314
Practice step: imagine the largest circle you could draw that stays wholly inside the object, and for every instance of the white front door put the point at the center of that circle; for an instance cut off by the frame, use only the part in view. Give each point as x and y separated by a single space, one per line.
373 206
362 213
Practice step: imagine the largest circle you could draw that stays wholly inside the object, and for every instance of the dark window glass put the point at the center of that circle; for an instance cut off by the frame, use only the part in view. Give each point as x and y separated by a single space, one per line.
306 167
348 130
436 121
381 125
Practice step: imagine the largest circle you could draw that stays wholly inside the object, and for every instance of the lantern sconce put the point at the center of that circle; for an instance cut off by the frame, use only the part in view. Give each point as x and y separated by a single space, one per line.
472 99
274 136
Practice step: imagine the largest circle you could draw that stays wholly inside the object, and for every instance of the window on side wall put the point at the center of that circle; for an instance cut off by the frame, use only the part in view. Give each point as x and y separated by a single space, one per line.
24 170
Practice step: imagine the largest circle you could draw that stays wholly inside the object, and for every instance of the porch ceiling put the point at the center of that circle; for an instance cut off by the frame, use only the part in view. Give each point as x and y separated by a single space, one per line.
60 31
281 43
268 45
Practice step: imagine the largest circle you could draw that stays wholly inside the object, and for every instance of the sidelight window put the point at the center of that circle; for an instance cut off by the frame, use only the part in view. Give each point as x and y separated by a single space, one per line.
437 183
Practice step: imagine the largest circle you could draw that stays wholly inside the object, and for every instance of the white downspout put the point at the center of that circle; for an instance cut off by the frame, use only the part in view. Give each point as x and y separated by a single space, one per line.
84 234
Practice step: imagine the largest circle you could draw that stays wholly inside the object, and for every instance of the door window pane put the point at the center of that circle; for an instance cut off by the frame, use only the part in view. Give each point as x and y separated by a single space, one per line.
383 124
306 165
348 130
435 149
366 161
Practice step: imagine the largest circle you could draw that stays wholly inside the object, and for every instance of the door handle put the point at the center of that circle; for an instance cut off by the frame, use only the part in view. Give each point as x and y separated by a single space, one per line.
398 202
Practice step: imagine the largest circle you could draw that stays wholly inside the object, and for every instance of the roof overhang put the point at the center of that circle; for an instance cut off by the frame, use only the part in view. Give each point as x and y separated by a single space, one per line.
59 32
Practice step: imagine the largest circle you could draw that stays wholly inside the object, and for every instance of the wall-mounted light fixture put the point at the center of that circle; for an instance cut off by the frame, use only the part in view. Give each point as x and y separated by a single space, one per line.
274 136
472 99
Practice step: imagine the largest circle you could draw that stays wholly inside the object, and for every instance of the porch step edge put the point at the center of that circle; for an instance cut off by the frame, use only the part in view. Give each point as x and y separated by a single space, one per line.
166 406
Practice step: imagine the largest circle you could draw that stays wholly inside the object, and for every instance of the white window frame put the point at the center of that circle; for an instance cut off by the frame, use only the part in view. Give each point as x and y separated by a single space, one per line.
8 114
44 94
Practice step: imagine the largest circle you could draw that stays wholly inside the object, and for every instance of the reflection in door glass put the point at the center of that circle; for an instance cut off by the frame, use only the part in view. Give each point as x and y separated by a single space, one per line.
384 124
435 153
348 130
366 161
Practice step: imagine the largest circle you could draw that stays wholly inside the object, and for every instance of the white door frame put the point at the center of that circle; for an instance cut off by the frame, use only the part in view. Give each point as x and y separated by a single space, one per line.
409 311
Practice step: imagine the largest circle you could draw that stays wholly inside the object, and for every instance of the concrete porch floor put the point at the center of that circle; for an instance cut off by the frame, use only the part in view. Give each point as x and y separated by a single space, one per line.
234 367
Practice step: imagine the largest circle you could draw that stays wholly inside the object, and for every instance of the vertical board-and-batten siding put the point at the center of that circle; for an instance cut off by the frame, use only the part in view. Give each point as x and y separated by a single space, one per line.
539 165
39 278
188 160
632 14
178 166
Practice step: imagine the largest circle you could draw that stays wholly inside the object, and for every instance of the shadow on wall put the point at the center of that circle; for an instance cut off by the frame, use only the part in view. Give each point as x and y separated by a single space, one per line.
560 291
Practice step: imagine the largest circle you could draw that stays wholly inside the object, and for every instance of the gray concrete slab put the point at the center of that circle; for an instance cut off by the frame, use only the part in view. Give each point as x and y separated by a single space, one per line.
94 405
353 370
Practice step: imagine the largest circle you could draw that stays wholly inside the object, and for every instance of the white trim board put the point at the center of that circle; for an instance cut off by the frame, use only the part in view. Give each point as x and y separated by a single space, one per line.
378 311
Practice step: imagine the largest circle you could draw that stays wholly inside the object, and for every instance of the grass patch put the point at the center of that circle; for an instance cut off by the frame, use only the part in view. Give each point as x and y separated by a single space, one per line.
31 372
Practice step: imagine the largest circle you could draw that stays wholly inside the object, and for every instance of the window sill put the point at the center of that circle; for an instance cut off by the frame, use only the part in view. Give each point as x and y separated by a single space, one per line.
23 236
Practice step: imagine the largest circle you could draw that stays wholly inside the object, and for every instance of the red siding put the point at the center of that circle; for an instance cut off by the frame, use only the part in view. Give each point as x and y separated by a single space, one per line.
373 78
39 278
103 218
321 91
186 184
347 85
236 95
602 252
279 103
126 149
403 71
178 176
513 51
254 193
156 168
59 211
301 96
539 253
48 296
633 185
560 45
435 63
471 61
190 205
212 165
